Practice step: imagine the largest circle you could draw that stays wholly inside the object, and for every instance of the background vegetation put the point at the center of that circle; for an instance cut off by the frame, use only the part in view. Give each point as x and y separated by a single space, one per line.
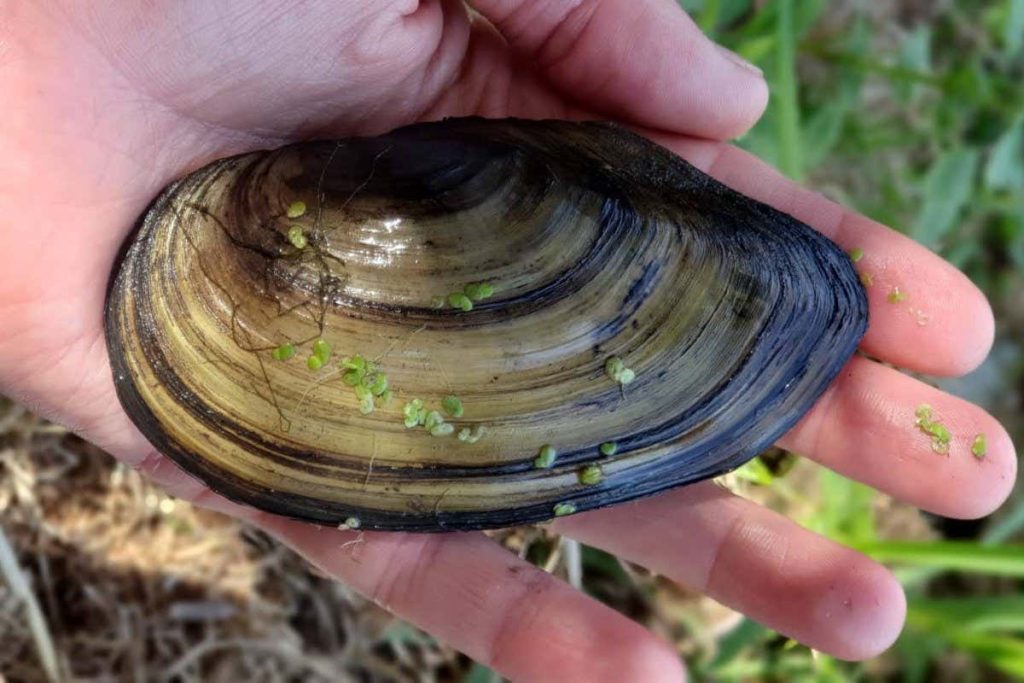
910 111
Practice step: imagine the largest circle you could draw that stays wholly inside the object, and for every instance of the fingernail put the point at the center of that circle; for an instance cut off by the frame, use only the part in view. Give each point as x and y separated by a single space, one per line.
739 61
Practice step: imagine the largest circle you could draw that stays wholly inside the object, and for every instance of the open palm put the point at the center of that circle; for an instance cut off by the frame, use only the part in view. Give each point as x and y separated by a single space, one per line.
106 102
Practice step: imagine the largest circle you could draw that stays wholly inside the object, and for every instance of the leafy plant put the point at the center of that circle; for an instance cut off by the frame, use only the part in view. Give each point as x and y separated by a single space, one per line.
919 123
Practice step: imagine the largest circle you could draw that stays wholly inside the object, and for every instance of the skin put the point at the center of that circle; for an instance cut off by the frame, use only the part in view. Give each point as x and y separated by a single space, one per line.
105 102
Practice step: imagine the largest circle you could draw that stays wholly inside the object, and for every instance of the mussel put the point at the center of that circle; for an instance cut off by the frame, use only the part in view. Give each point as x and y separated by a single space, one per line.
469 324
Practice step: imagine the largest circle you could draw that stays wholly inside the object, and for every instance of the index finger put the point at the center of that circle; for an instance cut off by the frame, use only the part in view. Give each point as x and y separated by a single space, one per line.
924 314
465 589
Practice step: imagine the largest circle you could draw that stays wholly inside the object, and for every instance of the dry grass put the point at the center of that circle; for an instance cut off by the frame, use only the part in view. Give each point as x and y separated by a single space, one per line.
136 586
131 584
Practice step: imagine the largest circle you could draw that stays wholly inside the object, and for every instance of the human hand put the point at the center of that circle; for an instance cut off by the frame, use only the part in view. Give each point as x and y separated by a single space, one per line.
106 102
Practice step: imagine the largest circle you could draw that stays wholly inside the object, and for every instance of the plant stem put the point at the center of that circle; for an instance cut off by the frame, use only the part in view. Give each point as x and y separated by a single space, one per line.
787 106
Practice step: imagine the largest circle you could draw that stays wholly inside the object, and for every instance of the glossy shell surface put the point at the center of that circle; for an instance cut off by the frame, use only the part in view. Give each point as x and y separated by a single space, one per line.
600 247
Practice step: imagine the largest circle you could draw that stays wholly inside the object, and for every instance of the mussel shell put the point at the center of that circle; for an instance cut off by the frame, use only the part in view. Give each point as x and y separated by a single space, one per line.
598 243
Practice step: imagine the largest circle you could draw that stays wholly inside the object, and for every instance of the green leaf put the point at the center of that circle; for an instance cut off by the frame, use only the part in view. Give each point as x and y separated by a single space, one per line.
979 626
970 85
732 10
1009 524
480 674
807 13
918 648
708 17
756 49
1006 560
1013 32
1005 169
401 632
730 645
963 252
915 57
946 190
756 472
787 106
975 614
821 132
1001 651
1017 245
599 562
915 52
846 509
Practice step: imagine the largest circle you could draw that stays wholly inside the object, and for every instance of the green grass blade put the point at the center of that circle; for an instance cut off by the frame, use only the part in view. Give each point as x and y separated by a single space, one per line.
481 674
1005 528
747 634
1005 169
1007 560
1003 652
1000 651
786 93
947 188
986 628
1013 32
708 18
845 512
975 614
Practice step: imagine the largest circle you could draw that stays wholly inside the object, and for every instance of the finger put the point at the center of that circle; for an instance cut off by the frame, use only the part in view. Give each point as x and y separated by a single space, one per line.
501 611
466 590
865 427
749 558
178 483
639 60
925 315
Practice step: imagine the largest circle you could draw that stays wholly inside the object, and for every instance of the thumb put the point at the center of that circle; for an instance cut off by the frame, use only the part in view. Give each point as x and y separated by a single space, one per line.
644 61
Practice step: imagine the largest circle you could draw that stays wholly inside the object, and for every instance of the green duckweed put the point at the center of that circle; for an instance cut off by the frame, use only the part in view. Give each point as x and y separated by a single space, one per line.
379 384
283 352
590 475
413 412
442 429
433 419
545 457
979 448
297 237
452 405
563 509
617 371
322 350
479 291
357 363
473 435
895 296
461 301
939 433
